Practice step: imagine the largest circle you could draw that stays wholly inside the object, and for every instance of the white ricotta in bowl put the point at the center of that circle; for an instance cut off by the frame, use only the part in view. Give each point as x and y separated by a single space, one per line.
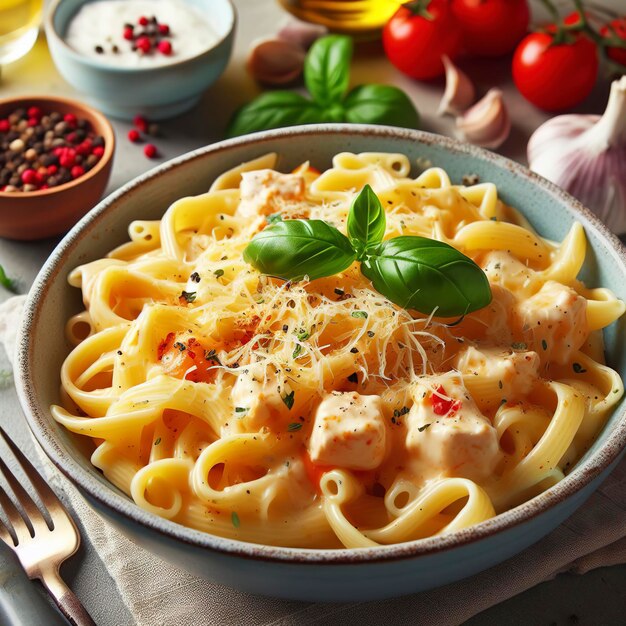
97 31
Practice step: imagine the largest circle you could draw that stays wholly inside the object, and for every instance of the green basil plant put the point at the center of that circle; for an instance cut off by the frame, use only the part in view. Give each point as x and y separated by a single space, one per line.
413 272
327 78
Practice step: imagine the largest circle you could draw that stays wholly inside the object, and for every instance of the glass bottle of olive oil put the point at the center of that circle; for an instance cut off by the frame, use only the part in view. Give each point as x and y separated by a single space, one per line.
19 25
361 18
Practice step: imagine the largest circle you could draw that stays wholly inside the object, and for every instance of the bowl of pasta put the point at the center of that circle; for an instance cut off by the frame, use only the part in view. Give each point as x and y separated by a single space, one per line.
331 362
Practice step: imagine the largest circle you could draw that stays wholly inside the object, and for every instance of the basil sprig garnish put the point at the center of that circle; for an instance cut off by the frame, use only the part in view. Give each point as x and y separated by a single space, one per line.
421 273
297 248
327 78
366 223
413 272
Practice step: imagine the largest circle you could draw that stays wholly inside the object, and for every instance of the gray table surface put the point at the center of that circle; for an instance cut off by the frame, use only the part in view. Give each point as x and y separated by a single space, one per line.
598 597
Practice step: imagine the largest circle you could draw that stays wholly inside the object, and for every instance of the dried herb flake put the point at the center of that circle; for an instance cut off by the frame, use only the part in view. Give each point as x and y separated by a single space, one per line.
188 296
289 399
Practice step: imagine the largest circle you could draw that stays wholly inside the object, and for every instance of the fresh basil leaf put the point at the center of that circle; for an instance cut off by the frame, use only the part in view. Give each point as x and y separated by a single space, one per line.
275 109
296 248
8 283
426 274
380 104
327 69
366 221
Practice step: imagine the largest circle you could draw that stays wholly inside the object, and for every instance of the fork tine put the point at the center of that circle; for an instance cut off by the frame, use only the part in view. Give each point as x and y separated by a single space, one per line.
5 535
48 497
23 497
21 530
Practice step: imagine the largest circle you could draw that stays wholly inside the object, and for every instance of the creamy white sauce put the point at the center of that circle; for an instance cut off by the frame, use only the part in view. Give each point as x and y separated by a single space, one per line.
101 23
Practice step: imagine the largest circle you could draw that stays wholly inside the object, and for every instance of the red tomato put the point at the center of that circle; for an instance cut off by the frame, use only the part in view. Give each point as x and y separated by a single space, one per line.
313 471
619 26
555 76
491 28
419 34
186 359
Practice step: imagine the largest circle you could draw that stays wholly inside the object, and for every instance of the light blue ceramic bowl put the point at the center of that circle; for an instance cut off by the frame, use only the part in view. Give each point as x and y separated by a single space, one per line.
364 574
156 93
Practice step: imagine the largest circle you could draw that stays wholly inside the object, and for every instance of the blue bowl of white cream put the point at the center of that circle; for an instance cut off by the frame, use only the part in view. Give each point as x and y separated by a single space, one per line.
87 43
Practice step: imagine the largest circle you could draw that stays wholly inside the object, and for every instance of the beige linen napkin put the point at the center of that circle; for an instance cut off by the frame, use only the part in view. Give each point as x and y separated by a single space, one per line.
157 593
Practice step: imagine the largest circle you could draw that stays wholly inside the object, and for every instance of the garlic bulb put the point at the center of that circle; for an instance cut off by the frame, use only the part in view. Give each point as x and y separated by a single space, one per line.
586 156
275 61
459 93
487 123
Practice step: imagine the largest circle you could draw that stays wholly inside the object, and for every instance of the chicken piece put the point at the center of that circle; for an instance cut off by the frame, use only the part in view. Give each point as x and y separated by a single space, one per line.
256 395
554 322
264 191
513 372
447 434
503 269
348 431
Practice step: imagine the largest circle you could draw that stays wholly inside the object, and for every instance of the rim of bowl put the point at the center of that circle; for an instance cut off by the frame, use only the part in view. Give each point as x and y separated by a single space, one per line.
123 506
104 128
51 31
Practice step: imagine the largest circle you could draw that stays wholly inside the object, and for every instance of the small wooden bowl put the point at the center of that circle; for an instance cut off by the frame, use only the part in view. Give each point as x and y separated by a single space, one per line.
39 214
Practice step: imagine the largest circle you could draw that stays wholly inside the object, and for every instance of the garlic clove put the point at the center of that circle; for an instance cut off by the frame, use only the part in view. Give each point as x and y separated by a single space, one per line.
487 123
275 61
459 93
303 34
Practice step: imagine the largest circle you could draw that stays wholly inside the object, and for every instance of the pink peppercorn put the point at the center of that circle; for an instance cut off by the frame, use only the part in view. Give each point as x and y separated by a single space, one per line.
84 148
5 126
164 29
34 112
68 159
128 33
33 121
98 151
52 169
150 150
29 177
141 123
143 20
133 135
143 44
44 186
77 171
70 118
71 137
165 47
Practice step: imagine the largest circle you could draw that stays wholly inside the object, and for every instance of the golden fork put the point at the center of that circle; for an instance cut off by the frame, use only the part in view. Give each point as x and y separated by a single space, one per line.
40 547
